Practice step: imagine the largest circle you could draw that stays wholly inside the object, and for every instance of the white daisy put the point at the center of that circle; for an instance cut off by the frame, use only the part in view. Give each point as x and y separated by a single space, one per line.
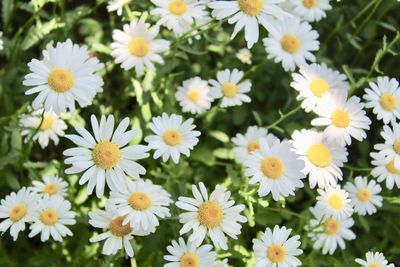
276 249
291 42
323 159
364 195
276 168
137 47
65 75
334 202
344 118
244 55
51 185
385 170
248 14
214 214
194 95
189 255
51 217
49 127
230 89
374 259
117 5
391 147
16 210
172 137
315 80
310 10
107 157
384 99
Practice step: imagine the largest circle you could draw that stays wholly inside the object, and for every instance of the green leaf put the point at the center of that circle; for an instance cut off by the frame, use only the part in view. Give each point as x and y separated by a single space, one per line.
7 10
39 31
221 136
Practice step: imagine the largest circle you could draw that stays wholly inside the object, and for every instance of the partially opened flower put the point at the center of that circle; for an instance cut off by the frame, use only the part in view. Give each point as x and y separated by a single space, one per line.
244 55
51 185
194 95
310 10
374 259
117 5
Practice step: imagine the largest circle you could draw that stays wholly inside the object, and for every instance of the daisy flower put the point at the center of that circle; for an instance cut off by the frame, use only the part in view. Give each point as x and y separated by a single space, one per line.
291 42
16 210
214 214
374 259
230 89
344 118
49 127
310 10
117 5
334 202
51 185
63 76
323 159
276 168
137 47
106 157
248 14
188 254
141 203
384 99
391 147
244 55
51 217
194 95
385 171
172 137
315 80
275 248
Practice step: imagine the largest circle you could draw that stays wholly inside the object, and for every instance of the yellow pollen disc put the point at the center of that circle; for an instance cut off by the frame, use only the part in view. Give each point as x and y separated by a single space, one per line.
388 101
139 201
336 202
47 122
374 265
106 155
50 189
177 7
189 260
340 118
390 167
210 214
396 146
253 146
272 167
276 253
290 43
310 3
251 7
18 212
194 95
319 155
118 229
319 87
332 226
60 80
363 194
49 217
229 90
138 47
172 137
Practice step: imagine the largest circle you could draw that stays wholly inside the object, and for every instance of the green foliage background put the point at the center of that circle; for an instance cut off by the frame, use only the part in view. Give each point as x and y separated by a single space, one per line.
359 38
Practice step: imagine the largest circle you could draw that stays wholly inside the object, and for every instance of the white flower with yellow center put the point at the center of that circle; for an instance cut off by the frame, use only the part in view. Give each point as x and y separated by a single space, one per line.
250 142
244 55
51 217
385 171
315 80
50 127
188 254
230 89
384 99
334 202
310 10
16 210
291 42
323 159
117 5
276 167
214 214
364 195
391 147
51 185
248 14
344 118
374 259
65 75
194 95
106 157
276 249
173 137
328 233
136 46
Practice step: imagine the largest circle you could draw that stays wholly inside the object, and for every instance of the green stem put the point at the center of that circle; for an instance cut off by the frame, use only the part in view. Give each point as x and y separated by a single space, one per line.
284 117
283 210
357 169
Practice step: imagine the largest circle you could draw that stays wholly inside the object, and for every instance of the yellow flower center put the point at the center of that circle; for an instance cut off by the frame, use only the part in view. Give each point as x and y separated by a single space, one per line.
138 47
210 214
47 122
363 194
310 3
319 87
229 90
177 7
194 95
253 146
290 43
332 226
396 146
390 167
106 155
60 80
319 155
251 7
50 189
336 202
276 253
139 201
118 229
374 265
172 137
388 101
18 212
49 217
340 118
189 260
272 167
